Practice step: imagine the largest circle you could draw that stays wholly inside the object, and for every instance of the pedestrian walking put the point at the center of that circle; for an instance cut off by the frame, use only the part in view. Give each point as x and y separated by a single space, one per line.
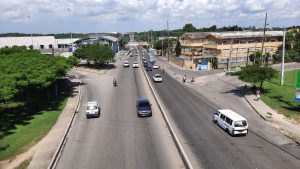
257 94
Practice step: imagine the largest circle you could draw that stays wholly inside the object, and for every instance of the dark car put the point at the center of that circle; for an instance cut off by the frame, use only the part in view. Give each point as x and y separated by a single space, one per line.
143 108
149 68
145 64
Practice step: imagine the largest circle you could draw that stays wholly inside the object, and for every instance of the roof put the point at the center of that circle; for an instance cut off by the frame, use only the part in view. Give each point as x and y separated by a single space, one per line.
66 41
231 114
26 41
233 34
92 103
110 38
244 34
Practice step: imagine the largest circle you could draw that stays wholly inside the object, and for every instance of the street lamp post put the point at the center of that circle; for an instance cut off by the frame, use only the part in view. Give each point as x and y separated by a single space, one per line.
30 31
71 36
282 59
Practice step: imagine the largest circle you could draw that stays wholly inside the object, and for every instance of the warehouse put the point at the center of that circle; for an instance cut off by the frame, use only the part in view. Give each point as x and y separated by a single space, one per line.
37 42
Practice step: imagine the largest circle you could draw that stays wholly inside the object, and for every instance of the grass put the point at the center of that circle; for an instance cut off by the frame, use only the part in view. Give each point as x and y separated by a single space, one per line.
24 164
22 124
282 98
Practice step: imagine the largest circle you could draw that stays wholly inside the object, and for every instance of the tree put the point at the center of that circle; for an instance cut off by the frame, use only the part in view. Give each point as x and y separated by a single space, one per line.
255 74
256 57
25 72
100 54
178 48
189 28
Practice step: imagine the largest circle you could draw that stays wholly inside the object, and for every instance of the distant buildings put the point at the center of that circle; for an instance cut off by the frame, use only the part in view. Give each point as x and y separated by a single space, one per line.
102 39
47 43
228 47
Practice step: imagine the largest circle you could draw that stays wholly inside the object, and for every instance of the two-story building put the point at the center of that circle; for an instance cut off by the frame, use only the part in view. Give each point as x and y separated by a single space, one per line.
230 48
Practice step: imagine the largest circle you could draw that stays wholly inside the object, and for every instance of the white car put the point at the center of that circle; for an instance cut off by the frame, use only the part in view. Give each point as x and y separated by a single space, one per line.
135 65
93 109
157 78
126 64
155 66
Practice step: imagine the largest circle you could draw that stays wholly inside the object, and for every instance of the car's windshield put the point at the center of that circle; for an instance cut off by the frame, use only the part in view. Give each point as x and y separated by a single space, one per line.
144 104
91 107
241 123
157 76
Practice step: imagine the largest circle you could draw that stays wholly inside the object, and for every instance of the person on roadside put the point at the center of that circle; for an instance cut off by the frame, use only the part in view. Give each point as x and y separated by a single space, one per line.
257 94
184 79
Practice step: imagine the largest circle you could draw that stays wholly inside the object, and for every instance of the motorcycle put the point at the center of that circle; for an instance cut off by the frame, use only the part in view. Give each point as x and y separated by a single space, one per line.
115 83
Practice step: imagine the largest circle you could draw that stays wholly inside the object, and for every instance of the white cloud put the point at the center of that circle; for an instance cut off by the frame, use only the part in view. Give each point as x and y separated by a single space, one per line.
146 12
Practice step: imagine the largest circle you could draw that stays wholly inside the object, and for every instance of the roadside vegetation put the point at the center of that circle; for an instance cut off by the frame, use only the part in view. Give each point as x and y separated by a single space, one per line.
99 55
33 92
282 98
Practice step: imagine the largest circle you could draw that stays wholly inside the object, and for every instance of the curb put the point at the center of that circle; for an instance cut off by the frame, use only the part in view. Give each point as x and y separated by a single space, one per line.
55 157
243 93
180 149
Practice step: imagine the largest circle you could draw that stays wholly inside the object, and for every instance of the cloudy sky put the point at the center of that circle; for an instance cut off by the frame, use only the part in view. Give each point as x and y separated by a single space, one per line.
52 16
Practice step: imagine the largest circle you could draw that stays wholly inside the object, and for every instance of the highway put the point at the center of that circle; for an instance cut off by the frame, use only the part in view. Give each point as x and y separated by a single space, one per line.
118 139
207 144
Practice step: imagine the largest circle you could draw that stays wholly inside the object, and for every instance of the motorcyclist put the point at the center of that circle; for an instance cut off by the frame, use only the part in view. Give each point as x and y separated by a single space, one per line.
184 79
115 82
163 70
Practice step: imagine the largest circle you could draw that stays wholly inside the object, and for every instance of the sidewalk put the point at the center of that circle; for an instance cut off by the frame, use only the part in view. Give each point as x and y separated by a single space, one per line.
48 146
203 80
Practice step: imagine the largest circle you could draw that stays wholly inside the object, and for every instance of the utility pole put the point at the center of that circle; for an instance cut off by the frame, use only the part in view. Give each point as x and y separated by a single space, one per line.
263 42
162 47
229 61
31 32
282 59
70 28
168 40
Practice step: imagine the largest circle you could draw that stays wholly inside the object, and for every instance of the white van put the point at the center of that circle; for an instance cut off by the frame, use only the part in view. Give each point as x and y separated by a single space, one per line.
231 122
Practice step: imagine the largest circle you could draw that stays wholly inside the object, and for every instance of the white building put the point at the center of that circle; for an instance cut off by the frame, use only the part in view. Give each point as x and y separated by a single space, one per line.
65 43
38 42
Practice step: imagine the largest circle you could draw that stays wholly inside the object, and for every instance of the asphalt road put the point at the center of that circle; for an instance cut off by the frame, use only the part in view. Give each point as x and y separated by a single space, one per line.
118 139
207 144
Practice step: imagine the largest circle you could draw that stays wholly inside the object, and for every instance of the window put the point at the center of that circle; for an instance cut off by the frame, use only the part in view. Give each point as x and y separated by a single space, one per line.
240 123
50 46
228 121
222 117
42 46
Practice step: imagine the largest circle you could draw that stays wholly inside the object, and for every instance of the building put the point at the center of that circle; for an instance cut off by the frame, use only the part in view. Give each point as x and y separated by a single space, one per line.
36 42
230 48
65 43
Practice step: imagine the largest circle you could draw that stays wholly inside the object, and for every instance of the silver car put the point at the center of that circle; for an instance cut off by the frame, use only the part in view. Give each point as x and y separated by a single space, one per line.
93 109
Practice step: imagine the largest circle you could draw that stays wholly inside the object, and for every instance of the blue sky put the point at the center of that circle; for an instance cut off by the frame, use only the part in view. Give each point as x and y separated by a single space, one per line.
52 16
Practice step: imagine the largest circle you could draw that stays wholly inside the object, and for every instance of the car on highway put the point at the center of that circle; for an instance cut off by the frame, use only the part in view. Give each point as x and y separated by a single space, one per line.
231 122
155 66
92 109
126 64
135 65
157 78
149 68
143 108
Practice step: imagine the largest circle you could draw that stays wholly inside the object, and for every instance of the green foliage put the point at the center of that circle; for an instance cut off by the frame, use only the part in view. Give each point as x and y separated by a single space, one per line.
255 74
100 54
256 57
72 60
26 71
178 48
189 28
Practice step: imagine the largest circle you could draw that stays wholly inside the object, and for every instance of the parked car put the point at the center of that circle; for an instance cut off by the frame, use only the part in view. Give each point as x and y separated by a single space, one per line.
155 66
143 108
92 109
145 64
231 122
157 78
126 64
135 65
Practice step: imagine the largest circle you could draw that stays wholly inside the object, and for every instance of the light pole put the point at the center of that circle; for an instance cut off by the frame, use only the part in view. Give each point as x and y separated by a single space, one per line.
282 59
69 14
30 31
